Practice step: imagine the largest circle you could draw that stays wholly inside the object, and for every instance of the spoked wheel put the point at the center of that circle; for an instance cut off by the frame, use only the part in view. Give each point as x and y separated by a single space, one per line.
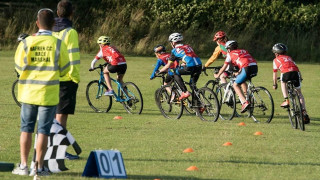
292 118
262 107
14 91
298 110
188 106
135 104
96 98
227 102
211 84
208 105
169 104
156 96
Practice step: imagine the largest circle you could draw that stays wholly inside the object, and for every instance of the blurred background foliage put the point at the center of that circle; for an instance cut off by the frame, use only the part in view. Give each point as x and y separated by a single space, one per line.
136 26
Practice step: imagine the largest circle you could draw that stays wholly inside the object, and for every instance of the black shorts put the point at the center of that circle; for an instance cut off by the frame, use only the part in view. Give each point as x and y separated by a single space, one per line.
168 78
290 76
68 93
119 69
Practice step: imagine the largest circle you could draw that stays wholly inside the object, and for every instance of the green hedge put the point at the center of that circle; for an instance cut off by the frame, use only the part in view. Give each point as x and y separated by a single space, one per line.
136 26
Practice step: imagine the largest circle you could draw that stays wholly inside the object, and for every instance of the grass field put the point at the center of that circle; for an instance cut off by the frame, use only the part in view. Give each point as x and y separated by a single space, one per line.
152 146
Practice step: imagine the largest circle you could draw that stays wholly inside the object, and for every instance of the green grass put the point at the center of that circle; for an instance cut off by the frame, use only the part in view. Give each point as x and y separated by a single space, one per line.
152 145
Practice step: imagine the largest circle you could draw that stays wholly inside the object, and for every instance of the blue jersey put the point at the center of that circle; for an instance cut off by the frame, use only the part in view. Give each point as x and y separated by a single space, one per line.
186 54
162 61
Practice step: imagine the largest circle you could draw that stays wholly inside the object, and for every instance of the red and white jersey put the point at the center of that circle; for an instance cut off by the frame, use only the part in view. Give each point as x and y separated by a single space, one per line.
111 55
285 64
165 58
240 58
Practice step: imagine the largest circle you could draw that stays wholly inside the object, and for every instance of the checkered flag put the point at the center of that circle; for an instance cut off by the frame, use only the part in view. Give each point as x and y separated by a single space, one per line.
58 141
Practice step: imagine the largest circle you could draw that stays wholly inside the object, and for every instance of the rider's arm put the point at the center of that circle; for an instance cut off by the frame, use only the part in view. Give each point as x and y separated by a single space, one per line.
275 71
98 56
224 67
214 56
166 67
159 63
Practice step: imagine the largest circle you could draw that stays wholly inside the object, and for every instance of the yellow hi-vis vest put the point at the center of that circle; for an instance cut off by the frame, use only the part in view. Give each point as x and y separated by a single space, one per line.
70 37
41 61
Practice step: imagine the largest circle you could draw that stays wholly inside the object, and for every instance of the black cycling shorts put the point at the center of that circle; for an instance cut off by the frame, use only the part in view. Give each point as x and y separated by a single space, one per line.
119 69
168 78
290 76
68 93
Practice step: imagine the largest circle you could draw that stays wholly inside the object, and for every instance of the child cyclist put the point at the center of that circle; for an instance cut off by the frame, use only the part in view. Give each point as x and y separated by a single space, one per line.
289 71
191 62
162 60
117 63
247 69
220 38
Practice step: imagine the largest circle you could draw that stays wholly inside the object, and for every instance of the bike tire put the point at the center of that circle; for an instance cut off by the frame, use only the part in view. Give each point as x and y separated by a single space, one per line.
211 84
298 111
188 106
171 108
261 104
227 102
135 104
209 108
96 98
14 91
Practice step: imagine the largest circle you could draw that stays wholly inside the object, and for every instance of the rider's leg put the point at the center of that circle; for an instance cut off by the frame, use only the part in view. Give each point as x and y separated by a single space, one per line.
107 77
239 92
302 101
244 88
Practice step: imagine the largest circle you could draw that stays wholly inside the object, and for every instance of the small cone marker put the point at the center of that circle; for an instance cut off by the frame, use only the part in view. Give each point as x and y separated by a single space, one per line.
192 168
227 144
258 133
188 150
242 124
156 179
117 117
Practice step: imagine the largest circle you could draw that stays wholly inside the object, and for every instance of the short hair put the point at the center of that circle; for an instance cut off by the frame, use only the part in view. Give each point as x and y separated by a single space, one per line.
64 9
46 18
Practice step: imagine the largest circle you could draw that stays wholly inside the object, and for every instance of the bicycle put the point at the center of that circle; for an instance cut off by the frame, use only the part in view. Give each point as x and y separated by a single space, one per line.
128 94
295 107
261 101
203 101
186 102
14 90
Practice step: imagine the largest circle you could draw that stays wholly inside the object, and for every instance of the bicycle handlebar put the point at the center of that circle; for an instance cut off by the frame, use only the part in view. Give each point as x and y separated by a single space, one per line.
100 66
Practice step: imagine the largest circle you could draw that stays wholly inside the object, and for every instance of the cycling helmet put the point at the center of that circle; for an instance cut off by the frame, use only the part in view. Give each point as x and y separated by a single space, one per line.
159 49
218 35
22 37
103 40
231 45
279 48
175 37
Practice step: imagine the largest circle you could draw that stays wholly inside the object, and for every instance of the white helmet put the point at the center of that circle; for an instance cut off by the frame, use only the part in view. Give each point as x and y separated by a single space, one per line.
175 37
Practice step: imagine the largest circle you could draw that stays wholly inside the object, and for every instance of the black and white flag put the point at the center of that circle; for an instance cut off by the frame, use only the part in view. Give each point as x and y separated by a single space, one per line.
58 141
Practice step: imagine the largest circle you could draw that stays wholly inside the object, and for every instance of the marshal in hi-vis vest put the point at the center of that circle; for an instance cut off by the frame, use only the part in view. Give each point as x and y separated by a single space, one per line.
41 61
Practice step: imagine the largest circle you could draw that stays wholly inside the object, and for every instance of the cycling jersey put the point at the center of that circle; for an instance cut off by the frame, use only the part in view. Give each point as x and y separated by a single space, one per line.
186 54
285 64
162 61
111 55
240 58
220 49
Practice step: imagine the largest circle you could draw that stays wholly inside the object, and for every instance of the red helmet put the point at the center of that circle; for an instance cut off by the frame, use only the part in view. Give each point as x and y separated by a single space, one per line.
218 35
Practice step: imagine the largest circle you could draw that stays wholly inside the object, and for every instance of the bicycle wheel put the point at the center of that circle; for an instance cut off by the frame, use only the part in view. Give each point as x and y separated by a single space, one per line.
292 118
208 109
14 91
135 104
262 107
156 96
227 101
211 84
298 110
169 104
96 98
188 106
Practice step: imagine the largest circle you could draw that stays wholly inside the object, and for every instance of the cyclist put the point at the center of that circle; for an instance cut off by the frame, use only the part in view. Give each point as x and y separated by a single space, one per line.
163 57
220 38
191 63
116 62
247 69
289 71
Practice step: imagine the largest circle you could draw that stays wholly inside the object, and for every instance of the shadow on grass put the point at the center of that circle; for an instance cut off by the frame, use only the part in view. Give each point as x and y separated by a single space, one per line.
232 161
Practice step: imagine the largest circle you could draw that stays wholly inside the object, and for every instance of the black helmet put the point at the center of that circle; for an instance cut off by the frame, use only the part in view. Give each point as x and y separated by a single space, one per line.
159 49
279 48
22 37
231 44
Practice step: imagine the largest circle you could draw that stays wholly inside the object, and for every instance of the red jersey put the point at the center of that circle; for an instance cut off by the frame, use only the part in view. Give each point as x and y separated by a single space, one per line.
240 58
285 64
111 55
165 57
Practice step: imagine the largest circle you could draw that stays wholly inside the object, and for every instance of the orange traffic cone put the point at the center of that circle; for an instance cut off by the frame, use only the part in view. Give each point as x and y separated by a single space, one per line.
117 117
188 150
227 144
241 124
192 168
258 133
